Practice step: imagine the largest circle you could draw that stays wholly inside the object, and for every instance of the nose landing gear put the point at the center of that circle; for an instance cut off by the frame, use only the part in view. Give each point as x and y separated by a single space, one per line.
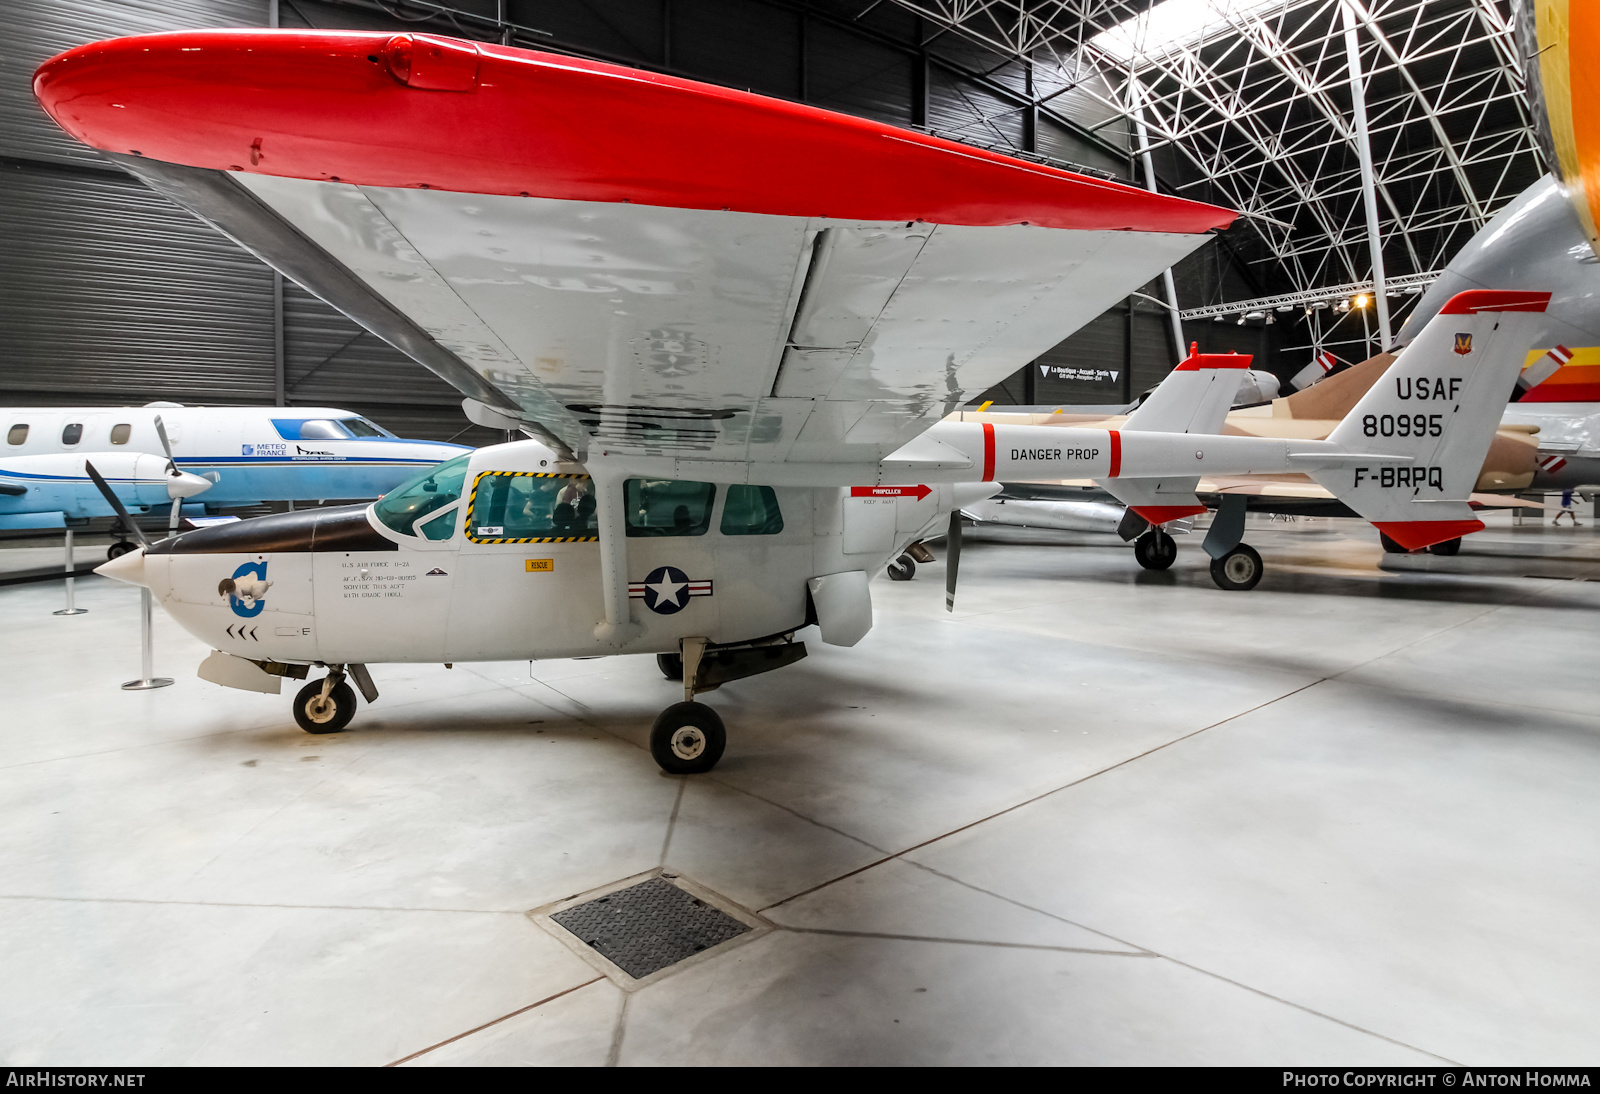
327 705
1155 550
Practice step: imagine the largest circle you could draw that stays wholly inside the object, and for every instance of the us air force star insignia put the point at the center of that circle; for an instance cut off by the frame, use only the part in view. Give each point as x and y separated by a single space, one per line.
667 589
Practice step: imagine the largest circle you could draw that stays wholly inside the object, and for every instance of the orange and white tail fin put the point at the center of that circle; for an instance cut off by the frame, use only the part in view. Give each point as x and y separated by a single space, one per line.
1426 425
1194 398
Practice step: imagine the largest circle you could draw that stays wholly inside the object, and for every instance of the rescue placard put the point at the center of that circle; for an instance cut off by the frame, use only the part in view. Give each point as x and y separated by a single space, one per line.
540 565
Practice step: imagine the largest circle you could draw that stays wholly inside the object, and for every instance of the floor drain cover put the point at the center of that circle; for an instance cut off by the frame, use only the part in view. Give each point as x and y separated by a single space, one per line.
647 927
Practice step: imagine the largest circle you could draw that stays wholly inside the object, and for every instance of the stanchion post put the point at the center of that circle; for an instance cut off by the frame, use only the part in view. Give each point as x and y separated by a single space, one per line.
71 608
146 653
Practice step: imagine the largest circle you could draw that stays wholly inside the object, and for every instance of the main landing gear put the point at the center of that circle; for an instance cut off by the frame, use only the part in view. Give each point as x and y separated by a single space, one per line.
688 737
327 705
1235 566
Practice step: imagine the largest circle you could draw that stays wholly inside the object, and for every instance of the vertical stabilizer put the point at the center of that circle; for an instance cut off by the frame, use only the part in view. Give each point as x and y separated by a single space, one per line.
1427 423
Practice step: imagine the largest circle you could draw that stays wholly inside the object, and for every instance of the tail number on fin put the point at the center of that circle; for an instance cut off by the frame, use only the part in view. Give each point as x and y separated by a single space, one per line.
1403 477
1402 425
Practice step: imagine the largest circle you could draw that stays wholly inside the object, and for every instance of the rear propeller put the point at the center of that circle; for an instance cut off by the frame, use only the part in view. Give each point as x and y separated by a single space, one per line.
952 560
116 503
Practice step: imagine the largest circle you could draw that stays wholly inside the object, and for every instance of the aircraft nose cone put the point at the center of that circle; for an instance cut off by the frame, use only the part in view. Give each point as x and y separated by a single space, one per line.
128 567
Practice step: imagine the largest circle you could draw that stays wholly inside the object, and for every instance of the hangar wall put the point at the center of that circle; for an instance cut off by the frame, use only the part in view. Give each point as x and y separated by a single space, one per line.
114 295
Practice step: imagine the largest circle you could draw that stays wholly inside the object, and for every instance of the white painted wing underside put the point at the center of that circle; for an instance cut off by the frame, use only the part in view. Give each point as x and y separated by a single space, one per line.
720 335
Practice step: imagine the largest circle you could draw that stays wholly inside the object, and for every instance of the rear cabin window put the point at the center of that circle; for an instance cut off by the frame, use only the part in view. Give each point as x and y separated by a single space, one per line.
17 434
512 506
410 503
121 433
751 511
72 433
668 507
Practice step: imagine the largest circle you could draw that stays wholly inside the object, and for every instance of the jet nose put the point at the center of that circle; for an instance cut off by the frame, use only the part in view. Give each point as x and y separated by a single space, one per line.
127 567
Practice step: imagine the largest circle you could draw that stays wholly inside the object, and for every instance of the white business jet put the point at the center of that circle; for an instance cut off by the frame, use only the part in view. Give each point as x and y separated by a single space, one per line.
733 325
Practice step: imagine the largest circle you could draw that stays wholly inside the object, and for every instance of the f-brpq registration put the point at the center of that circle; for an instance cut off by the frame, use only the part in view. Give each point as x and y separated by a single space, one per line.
716 312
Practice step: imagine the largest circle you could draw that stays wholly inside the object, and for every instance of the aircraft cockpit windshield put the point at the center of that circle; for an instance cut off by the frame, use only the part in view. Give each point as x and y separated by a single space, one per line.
360 427
408 506
328 429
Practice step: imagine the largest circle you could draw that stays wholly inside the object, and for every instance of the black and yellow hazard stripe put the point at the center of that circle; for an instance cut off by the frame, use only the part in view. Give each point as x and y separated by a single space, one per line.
473 501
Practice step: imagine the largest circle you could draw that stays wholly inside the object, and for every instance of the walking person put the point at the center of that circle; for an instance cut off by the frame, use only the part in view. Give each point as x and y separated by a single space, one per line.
1567 510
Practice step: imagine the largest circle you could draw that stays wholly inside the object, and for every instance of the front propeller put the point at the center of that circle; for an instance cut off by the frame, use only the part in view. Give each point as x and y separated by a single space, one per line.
952 560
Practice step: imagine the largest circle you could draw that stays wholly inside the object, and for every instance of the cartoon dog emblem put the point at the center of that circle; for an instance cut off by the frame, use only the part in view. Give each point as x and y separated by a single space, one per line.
1463 344
246 590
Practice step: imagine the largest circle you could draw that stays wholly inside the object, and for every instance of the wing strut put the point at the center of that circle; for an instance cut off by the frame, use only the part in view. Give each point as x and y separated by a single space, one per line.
617 628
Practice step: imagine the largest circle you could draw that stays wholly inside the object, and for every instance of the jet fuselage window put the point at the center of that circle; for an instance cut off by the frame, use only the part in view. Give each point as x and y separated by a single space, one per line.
17 434
412 501
751 511
121 433
668 507
72 433
509 505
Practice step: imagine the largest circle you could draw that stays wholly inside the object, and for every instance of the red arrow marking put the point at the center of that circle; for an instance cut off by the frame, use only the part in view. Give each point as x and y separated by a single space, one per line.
918 492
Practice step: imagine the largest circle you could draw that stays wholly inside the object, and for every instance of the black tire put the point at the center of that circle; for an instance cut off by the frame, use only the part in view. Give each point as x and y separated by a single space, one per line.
1448 547
671 665
1390 547
1237 571
117 550
687 739
308 716
903 568
1155 550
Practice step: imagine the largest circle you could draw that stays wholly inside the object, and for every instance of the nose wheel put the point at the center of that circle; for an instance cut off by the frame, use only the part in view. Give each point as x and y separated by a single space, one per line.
1155 550
326 705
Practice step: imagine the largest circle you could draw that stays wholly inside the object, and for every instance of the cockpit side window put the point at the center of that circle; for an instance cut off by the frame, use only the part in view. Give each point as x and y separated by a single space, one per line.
751 511
668 507
17 434
410 502
518 506
72 433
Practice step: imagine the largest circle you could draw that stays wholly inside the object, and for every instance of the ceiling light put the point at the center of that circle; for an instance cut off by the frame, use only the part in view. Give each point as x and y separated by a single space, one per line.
1361 300
1285 307
1170 23
1255 315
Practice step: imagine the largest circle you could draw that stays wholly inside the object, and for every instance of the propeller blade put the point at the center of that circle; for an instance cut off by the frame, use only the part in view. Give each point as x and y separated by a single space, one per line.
166 446
952 560
116 504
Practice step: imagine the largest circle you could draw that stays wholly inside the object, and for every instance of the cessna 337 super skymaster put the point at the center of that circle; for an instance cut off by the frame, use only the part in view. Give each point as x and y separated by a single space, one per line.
731 322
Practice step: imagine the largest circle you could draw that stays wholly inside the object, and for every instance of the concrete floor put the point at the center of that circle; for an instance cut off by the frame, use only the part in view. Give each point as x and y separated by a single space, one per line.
1098 816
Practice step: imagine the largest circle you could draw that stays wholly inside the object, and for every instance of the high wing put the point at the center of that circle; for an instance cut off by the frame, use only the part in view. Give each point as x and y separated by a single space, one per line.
638 264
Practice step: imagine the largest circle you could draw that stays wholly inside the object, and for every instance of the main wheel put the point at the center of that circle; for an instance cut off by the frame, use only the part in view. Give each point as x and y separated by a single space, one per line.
1390 547
315 714
671 665
687 739
1448 547
1155 550
117 550
1237 571
903 568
